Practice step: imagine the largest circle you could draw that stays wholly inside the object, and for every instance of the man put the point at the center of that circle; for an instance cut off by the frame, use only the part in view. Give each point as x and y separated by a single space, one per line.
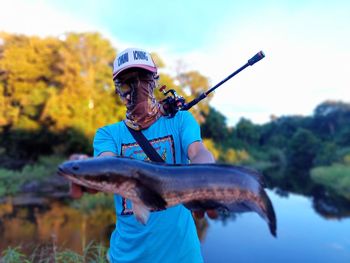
169 235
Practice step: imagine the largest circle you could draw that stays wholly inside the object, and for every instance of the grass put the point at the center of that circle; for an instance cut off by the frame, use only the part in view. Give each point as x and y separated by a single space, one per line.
335 177
92 253
13 255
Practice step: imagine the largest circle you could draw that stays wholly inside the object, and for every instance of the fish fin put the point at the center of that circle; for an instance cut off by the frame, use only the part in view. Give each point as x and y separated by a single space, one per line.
252 172
141 212
150 197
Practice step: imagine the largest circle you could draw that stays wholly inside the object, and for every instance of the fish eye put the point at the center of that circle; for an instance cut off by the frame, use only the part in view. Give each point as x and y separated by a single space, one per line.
75 167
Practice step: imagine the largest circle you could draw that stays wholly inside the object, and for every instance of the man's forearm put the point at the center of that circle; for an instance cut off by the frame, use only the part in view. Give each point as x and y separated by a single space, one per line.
203 156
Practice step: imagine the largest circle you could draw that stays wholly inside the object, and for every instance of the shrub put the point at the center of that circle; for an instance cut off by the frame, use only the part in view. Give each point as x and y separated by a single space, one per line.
335 177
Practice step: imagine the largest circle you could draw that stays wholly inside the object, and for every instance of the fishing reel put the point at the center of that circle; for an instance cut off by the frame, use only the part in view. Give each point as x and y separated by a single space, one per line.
172 103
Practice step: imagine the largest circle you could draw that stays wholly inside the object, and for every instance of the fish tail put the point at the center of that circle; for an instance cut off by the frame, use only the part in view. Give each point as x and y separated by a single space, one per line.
261 205
270 212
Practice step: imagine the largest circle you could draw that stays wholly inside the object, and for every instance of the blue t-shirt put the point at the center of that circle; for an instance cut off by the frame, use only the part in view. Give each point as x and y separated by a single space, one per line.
169 235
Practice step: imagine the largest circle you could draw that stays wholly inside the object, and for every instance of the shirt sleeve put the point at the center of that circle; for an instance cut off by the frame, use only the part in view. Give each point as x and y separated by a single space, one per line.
104 142
189 130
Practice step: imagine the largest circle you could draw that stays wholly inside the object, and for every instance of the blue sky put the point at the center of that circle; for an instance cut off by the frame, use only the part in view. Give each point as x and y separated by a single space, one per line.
307 44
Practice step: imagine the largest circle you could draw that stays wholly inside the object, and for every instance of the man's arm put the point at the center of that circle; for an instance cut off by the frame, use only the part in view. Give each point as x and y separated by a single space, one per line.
198 153
107 154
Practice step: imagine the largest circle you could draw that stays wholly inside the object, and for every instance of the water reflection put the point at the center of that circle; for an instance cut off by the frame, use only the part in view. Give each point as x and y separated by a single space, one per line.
326 202
59 225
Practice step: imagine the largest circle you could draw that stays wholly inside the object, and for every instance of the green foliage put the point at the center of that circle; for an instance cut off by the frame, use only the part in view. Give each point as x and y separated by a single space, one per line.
69 256
342 154
293 144
331 121
277 132
13 255
343 138
29 145
335 177
214 126
326 154
11 181
246 132
94 253
44 167
302 150
347 159
276 156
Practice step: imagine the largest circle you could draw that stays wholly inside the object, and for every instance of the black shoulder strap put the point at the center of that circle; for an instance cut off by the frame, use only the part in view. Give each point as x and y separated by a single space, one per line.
145 145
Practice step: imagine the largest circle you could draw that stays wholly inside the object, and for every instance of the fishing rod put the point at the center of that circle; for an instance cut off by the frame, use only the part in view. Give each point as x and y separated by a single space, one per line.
174 102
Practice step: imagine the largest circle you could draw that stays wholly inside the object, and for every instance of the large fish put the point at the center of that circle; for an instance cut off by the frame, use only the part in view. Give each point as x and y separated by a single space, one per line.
157 186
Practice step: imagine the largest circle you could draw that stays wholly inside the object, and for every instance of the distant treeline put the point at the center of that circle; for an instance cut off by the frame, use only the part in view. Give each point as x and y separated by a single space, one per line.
299 142
309 155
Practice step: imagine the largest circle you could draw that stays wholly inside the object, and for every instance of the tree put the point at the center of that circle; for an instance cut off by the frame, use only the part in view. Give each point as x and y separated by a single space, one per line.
60 90
25 65
326 154
302 150
85 98
214 126
192 85
330 117
247 132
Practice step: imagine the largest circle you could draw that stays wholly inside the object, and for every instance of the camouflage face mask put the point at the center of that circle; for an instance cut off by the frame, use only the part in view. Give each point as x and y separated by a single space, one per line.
136 90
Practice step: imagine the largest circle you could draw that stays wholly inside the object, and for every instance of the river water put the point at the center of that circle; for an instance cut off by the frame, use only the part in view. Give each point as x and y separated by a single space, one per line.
302 234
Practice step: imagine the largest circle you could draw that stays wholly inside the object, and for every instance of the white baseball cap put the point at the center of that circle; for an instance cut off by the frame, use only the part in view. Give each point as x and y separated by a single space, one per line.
133 58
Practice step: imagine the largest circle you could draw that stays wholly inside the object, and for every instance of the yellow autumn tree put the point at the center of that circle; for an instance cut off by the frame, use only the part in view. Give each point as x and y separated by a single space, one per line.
55 91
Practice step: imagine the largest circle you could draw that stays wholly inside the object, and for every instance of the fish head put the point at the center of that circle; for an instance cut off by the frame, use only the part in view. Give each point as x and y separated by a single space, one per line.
95 167
106 174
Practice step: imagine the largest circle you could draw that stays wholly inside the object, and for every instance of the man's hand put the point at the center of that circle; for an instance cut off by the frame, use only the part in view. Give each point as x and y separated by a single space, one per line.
212 213
77 191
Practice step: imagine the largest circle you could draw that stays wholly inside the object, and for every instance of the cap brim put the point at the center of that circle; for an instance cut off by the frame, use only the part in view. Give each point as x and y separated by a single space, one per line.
149 68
